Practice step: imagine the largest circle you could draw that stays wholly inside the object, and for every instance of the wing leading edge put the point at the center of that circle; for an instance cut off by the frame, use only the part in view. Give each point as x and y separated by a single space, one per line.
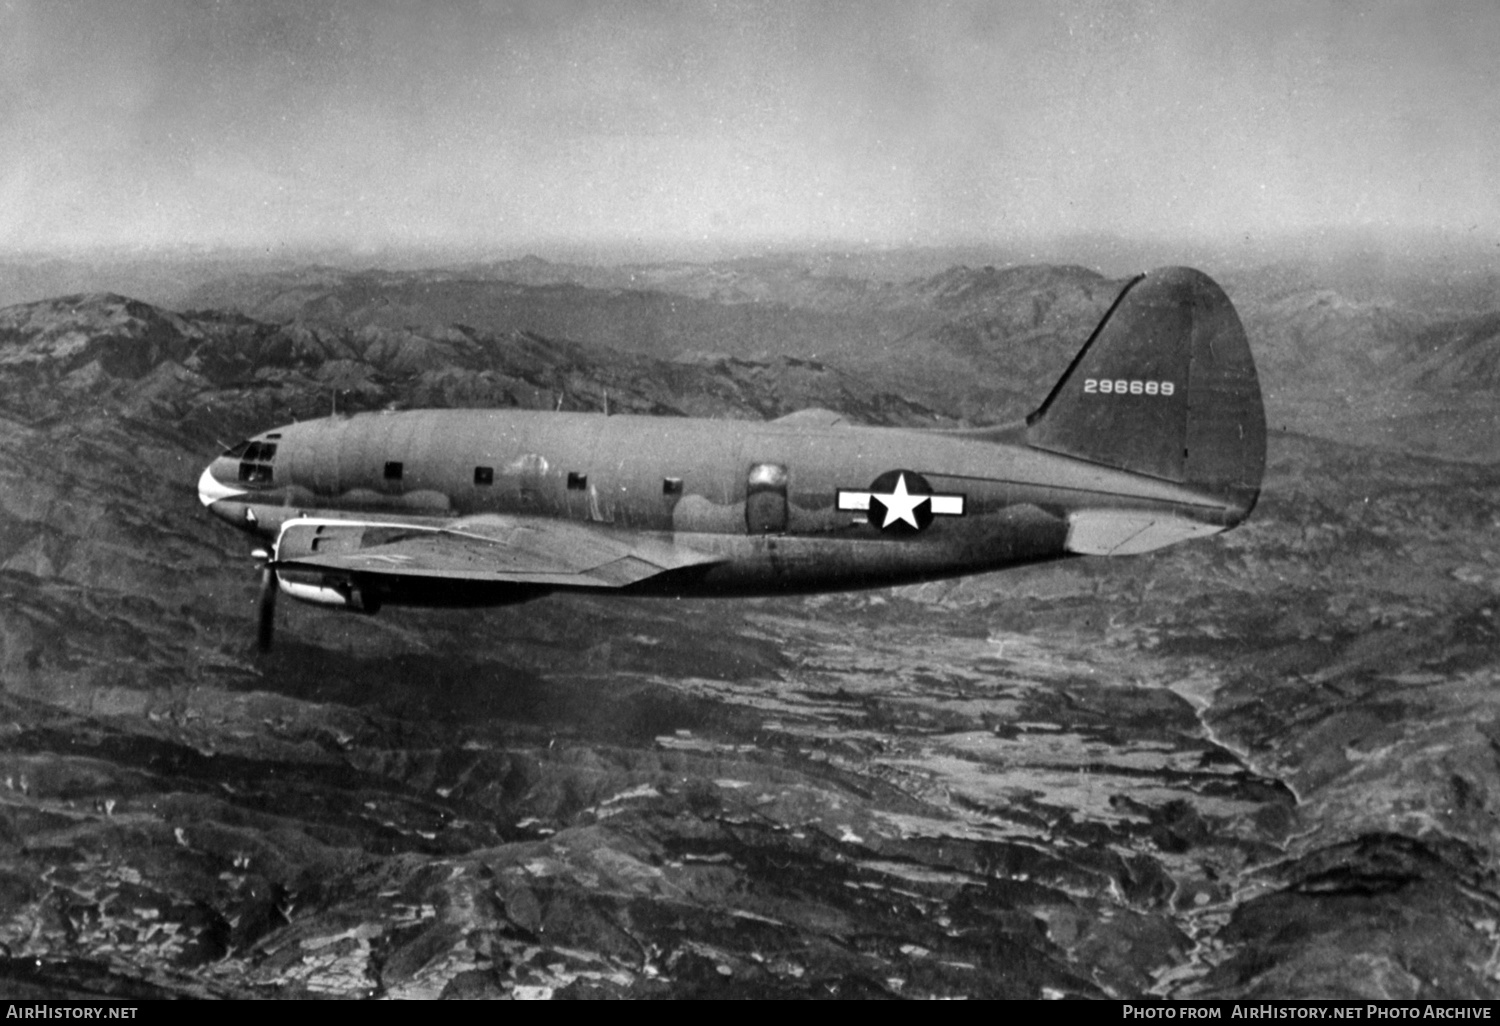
515 550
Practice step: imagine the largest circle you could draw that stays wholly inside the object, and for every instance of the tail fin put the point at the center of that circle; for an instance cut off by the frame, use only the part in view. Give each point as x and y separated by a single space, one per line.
1165 387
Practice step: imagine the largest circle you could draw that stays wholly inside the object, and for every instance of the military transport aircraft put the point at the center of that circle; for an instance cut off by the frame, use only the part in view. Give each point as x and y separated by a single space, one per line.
1154 435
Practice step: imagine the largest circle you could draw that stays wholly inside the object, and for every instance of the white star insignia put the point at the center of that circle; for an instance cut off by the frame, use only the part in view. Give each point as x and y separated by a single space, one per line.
900 504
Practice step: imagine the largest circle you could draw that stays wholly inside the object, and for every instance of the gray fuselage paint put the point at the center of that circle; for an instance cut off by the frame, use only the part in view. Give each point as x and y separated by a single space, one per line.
1016 499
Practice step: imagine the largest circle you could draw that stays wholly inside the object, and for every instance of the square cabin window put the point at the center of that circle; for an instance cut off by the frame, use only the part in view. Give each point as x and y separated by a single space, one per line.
671 486
393 471
484 475
577 482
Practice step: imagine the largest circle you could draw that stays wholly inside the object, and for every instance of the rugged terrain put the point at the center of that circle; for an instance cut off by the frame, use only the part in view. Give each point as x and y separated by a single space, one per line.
1262 765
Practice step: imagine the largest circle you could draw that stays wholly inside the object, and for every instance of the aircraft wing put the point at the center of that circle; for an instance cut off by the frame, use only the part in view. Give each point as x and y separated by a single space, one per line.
517 550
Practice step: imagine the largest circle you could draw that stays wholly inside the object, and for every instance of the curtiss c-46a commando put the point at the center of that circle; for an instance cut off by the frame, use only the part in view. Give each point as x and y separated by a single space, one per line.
1155 434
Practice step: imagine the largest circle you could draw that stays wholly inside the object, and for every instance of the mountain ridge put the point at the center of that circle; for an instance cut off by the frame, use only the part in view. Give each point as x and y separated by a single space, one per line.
1062 781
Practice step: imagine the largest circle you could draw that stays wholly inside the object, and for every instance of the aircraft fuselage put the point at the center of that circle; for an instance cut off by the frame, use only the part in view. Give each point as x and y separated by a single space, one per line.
782 506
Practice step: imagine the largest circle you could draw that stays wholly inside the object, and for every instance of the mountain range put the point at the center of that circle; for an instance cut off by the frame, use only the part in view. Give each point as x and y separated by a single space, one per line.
1258 766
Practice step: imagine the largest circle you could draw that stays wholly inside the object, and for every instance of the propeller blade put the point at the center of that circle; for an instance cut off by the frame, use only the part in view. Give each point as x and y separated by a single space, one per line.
268 590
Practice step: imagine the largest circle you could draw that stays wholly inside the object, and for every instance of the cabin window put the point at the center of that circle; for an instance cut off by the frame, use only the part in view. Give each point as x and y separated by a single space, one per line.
671 486
393 471
484 475
577 482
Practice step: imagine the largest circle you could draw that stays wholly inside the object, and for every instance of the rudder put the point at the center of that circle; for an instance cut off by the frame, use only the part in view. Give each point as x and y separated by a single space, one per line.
1165 387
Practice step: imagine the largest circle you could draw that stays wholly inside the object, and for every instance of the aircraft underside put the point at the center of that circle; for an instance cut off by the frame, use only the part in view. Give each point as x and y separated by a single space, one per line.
737 566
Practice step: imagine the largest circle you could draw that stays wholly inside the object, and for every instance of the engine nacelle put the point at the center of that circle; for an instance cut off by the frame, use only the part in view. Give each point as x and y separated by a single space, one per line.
300 538
336 590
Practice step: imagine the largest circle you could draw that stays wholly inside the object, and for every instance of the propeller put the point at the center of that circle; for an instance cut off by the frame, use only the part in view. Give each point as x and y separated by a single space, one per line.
267 603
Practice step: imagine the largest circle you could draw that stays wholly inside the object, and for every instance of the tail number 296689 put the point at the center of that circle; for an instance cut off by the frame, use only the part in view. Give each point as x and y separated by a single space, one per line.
1121 386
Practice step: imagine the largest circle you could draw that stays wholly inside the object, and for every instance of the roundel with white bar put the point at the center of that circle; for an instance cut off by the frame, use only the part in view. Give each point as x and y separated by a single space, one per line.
900 502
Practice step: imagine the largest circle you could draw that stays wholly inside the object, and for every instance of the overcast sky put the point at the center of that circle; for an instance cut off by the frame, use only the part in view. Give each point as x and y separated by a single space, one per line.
280 124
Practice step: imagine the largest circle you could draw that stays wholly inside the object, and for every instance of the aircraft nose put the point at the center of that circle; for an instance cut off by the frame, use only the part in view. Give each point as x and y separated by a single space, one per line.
211 488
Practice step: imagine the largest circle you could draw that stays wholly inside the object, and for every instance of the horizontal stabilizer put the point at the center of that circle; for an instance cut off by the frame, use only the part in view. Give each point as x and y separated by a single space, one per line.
814 416
1129 533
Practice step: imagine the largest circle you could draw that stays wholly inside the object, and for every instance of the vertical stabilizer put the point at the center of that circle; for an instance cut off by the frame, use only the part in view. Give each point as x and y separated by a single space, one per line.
1165 387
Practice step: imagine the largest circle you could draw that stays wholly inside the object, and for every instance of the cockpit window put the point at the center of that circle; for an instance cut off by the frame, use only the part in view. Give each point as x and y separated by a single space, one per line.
255 473
237 451
255 461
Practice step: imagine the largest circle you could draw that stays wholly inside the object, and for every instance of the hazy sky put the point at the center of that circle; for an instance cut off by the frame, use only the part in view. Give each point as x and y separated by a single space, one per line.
275 124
